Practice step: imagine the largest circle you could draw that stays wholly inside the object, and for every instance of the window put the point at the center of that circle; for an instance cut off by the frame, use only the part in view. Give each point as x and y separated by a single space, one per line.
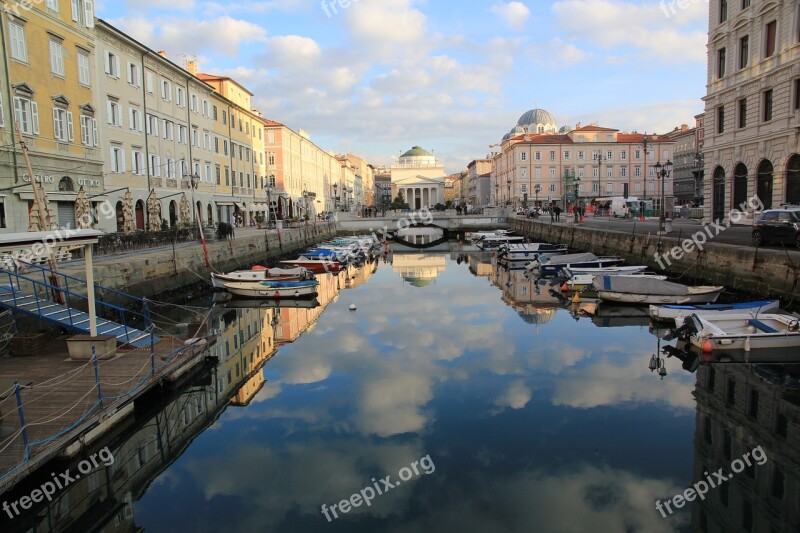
781 425
207 141
721 63
26 113
183 134
112 65
637 171
721 119
209 176
206 111
623 155
19 48
744 51
609 171
62 124
56 58
135 119
155 169
214 113
225 117
137 163
271 159
195 137
152 125
609 155
180 97
117 160
194 103
218 173
580 172
623 172
114 113
767 105
552 173
723 10
523 156
133 75
169 130
552 187
76 10
637 154
169 167
745 4
731 392
752 407
769 38
166 90
595 172
89 131
552 155
581 155
566 155
216 145
537 156
743 112
52 4
149 80
84 70
88 13
797 94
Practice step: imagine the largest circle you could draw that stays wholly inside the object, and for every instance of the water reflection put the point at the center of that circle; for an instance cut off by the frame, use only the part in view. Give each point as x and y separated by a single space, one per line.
539 424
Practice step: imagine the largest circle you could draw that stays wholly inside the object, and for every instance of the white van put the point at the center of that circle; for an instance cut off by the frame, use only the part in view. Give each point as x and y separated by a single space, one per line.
618 205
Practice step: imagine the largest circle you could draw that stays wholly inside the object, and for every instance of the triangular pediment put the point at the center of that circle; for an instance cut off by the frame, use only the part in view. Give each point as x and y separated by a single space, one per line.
23 88
61 100
416 180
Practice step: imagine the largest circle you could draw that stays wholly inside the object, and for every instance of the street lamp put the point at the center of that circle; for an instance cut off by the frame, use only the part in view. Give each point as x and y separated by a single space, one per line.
568 175
496 193
663 172
575 212
194 179
268 190
537 190
599 158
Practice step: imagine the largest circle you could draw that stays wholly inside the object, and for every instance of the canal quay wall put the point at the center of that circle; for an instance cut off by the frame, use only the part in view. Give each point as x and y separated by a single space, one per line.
755 271
147 273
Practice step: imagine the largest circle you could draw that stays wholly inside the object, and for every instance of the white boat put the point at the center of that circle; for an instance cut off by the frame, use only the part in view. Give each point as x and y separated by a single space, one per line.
256 275
528 252
581 281
608 271
640 290
741 331
477 235
677 312
552 266
274 289
491 243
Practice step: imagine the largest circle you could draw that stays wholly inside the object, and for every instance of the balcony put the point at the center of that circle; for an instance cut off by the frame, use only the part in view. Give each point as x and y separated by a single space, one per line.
156 183
172 183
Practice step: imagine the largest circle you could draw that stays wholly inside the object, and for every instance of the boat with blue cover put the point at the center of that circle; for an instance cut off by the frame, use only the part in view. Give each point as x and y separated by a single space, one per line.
674 311
275 289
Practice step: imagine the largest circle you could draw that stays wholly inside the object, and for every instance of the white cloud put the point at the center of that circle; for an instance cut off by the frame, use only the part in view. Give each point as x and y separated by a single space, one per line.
516 396
515 14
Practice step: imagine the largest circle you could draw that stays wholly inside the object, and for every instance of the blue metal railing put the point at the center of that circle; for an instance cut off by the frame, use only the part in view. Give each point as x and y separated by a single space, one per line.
63 295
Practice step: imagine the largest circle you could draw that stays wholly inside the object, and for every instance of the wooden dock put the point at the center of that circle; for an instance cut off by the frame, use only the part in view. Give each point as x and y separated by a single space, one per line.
61 400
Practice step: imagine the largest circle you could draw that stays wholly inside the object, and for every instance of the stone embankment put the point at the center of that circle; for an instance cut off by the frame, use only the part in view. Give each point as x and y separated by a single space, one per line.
758 272
145 273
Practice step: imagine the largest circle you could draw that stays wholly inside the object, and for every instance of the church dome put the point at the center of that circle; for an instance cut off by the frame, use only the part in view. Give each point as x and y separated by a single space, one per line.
417 151
538 121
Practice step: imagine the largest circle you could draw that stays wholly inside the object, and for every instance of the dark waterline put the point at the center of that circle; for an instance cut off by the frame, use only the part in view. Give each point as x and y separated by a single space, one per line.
502 411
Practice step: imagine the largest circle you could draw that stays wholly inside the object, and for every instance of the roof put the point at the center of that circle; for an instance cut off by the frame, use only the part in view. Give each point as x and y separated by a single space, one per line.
536 116
417 151
543 139
213 77
639 137
592 127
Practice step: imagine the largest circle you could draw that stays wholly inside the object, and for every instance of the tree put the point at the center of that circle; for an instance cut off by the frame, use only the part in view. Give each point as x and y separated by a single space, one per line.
398 203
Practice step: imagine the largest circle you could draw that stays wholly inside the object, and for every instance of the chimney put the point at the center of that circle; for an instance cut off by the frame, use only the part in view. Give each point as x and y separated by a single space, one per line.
162 53
191 66
684 127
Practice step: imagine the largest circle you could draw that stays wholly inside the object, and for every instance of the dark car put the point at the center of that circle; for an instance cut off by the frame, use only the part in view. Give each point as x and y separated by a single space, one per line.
778 226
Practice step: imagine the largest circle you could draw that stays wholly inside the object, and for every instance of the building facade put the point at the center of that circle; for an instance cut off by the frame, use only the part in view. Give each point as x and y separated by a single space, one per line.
752 105
579 166
686 161
479 171
49 93
419 178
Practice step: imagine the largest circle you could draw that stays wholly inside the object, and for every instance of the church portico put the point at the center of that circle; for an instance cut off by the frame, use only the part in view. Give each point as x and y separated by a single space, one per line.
419 178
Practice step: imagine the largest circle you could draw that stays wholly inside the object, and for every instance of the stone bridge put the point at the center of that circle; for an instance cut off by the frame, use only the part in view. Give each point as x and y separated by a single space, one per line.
450 223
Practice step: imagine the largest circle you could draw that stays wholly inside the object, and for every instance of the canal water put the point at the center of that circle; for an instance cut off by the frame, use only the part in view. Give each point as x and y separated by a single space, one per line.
457 396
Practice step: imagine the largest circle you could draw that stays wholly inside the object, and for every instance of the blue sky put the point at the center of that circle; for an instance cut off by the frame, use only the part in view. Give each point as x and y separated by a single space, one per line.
380 76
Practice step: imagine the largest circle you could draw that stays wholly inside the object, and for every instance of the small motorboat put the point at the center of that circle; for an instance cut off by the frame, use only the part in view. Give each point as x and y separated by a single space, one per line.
641 290
315 265
274 289
582 281
677 312
259 273
607 271
552 266
478 235
742 331
529 252
494 242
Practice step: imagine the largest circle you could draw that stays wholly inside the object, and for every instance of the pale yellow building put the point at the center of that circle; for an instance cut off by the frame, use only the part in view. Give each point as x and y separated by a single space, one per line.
50 93
419 178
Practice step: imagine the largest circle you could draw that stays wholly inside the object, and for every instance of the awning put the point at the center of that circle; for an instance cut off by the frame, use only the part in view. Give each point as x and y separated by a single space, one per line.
222 203
240 206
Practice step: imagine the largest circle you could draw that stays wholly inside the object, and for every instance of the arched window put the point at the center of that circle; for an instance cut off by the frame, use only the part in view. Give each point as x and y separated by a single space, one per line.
764 184
718 194
66 184
739 185
793 180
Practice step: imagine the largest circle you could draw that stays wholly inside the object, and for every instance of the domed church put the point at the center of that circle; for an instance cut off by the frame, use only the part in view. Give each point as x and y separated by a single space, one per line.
535 121
419 178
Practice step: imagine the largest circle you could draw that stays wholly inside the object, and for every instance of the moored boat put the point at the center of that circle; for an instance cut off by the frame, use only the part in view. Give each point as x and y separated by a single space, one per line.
494 242
741 331
529 252
640 290
552 266
256 275
674 311
274 289
315 265
581 281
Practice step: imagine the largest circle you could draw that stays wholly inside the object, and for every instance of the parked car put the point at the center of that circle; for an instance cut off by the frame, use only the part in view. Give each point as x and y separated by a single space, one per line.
778 226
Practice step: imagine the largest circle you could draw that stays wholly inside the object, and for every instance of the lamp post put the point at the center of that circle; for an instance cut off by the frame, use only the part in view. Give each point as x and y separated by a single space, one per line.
575 210
568 175
496 193
268 190
600 158
194 179
508 185
662 172
537 189
335 196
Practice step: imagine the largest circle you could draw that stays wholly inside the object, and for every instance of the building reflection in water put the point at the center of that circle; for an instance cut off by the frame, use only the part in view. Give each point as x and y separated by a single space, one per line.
241 340
741 407
533 302
420 235
419 270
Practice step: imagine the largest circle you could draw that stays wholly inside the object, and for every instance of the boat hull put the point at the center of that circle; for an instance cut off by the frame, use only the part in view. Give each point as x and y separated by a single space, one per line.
258 290
254 276
673 312
317 267
699 297
743 332
554 270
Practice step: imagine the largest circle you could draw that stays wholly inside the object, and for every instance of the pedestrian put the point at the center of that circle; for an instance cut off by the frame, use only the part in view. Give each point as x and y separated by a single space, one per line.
552 214
558 213
233 219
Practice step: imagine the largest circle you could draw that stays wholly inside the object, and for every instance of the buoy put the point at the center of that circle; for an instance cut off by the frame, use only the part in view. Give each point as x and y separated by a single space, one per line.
564 287
577 298
708 346
352 307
